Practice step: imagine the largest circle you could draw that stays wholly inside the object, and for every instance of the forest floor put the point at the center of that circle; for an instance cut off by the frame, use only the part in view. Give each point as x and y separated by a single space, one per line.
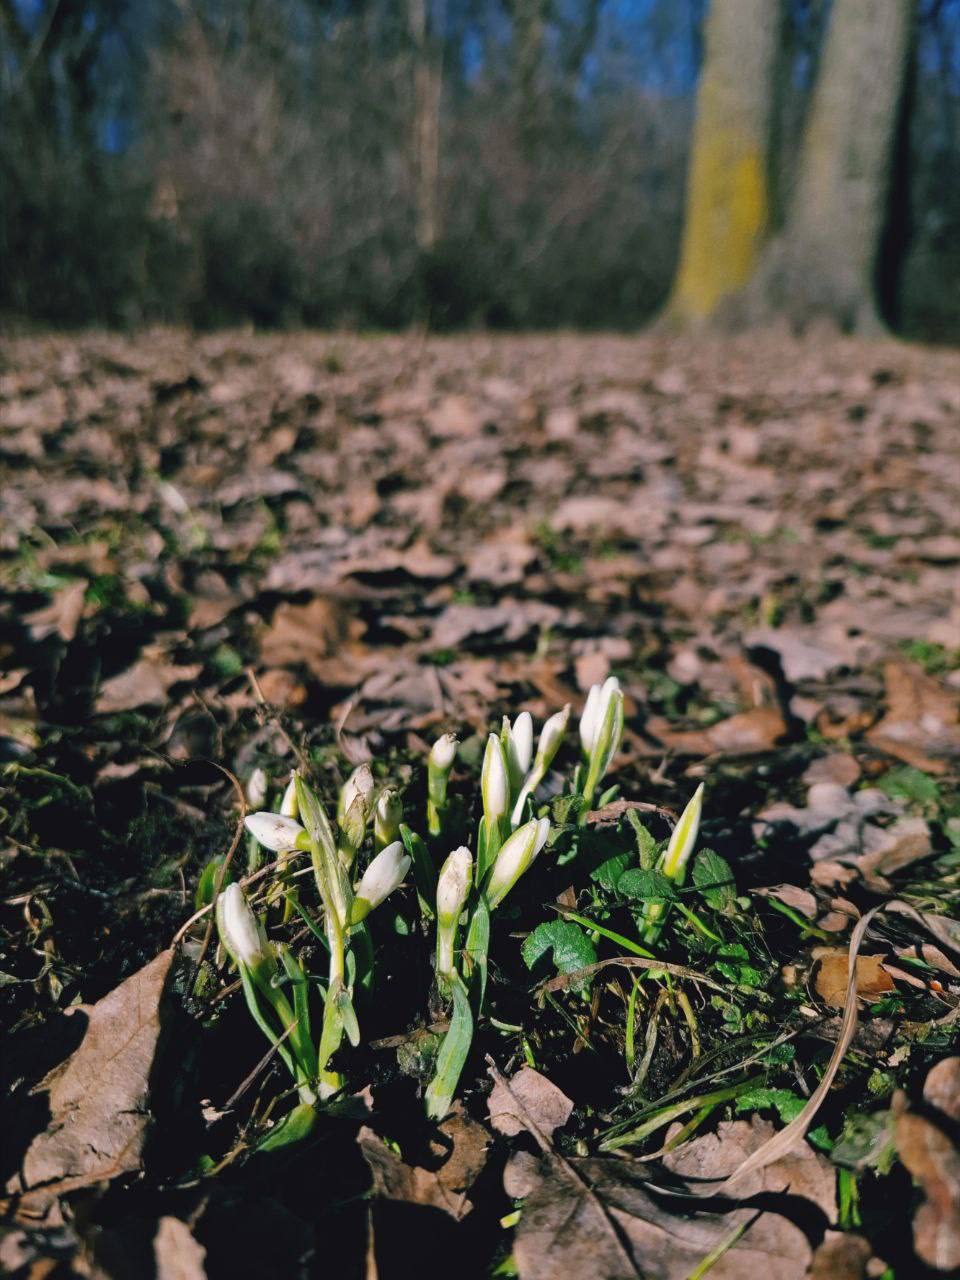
232 552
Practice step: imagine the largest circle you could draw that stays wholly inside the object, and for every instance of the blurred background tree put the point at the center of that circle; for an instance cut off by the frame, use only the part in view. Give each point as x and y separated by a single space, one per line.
515 163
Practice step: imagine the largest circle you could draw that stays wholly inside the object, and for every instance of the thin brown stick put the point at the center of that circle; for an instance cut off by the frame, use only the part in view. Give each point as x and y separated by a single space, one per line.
628 962
261 1066
275 717
245 883
615 810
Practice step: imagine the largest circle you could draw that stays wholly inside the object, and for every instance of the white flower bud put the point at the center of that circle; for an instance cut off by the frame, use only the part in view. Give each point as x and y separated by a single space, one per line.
609 731
454 885
239 928
684 838
588 719
274 831
360 786
387 816
384 874
289 805
595 710
516 855
257 789
519 747
494 781
444 752
551 735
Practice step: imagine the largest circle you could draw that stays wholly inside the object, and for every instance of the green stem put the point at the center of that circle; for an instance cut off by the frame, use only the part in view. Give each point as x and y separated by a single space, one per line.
629 1048
633 947
436 799
667 1115
808 930
697 922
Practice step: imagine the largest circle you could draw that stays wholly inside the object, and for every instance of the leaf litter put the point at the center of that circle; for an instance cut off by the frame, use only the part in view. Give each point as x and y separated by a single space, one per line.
222 549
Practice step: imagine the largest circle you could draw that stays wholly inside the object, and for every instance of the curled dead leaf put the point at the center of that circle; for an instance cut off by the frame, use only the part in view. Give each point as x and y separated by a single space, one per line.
831 981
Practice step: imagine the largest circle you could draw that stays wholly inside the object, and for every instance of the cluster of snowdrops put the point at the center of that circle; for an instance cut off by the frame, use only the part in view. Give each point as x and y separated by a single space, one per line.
457 900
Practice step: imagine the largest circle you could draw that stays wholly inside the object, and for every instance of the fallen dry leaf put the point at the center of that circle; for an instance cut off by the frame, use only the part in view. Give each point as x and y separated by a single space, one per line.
99 1098
838 768
744 734
934 1161
461 1153
892 848
805 653
503 623
281 688
596 1217
61 616
831 980
305 634
176 1254
922 721
530 1100
147 683
792 895
942 1087
842 1256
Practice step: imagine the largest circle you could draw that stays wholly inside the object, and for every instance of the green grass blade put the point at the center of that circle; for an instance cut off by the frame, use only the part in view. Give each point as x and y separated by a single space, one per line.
452 1055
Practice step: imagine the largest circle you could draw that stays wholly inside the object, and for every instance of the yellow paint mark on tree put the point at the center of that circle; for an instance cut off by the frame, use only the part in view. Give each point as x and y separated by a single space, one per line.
727 208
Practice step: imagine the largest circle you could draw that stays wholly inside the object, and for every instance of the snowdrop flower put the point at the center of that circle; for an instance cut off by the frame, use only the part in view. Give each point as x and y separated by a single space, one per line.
275 832
594 711
289 806
516 855
257 789
551 735
440 762
673 863
601 730
494 782
353 810
387 815
359 786
443 753
240 930
683 839
453 887
518 745
384 874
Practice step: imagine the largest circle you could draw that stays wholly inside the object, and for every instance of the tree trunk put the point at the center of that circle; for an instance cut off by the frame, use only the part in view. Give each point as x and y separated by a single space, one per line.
427 88
824 262
727 204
